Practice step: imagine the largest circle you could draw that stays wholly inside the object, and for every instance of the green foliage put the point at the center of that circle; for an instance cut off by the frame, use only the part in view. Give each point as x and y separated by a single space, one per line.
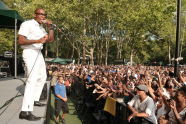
7 40
121 25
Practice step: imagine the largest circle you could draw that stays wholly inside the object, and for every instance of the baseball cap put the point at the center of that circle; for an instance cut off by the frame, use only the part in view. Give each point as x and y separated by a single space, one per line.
142 87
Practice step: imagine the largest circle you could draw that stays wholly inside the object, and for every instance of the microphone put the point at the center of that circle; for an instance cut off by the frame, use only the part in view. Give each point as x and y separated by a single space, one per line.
56 27
53 25
46 22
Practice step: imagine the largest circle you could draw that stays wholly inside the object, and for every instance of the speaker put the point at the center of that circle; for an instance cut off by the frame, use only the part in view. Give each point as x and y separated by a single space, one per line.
44 92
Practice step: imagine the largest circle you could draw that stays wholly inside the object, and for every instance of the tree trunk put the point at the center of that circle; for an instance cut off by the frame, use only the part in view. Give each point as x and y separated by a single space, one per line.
131 58
107 42
120 54
117 56
78 61
169 52
119 49
72 55
91 56
57 44
106 51
100 52
84 55
84 52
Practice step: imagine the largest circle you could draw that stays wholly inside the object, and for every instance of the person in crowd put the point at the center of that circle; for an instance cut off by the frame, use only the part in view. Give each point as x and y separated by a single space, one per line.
61 100
67 84
142 107
178 107
182 77
32 36
54 78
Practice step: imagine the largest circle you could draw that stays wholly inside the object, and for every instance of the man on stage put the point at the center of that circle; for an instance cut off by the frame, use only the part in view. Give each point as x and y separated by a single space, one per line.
31 37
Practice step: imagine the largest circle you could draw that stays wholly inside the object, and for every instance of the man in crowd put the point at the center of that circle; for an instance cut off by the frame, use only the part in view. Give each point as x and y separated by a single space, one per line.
61 99
142 107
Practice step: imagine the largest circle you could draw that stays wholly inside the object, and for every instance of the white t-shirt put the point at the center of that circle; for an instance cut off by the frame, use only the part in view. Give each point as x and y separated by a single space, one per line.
32 30
147 106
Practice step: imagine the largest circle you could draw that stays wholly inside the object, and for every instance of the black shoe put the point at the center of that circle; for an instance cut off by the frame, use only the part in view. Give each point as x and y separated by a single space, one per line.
36 103
28 116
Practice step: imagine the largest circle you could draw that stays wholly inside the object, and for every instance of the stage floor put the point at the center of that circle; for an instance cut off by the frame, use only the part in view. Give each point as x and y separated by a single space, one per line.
9 88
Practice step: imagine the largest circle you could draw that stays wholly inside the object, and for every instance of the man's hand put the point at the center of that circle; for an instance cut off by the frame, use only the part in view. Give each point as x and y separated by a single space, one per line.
43 39
132 115
64 99
172 104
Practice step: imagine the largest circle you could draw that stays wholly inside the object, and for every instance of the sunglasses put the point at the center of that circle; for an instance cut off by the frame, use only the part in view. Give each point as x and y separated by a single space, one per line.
43 14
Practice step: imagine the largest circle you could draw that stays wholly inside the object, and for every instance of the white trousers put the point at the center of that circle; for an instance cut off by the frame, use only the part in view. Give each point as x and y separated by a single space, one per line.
36 74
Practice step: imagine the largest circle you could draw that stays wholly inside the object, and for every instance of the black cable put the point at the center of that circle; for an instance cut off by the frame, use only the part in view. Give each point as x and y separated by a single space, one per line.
24 82
8 102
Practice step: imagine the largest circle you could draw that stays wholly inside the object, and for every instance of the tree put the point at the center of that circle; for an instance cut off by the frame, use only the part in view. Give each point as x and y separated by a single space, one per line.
106 30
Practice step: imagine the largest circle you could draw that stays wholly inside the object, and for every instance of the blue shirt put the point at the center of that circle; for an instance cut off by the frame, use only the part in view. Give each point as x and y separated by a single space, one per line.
60 89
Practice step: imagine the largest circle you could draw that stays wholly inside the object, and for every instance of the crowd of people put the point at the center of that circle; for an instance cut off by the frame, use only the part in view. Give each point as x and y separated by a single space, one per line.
152 94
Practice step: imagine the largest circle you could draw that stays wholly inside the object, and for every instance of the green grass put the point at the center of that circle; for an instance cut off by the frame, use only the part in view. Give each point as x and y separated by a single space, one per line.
71 118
